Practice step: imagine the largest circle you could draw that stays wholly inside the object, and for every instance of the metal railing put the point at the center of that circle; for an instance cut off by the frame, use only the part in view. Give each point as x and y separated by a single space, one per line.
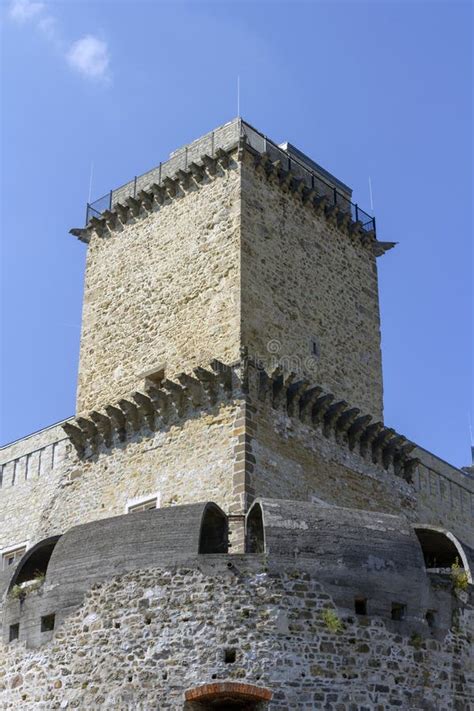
225 137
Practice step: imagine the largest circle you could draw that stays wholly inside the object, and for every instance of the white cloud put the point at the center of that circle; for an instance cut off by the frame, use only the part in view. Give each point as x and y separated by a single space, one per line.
90 56
25 10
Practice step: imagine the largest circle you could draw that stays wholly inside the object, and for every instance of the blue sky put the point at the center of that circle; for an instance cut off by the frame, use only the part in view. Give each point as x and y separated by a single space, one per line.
365 88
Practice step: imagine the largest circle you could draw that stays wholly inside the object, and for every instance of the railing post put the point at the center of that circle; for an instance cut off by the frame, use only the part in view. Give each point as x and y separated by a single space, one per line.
357 212
335 196
159 175
87 213
135 187
212 145
110 200
373 222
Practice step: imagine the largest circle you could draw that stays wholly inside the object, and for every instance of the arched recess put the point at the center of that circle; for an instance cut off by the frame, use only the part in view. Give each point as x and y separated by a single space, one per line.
254 530
34 562
214 533
441 549
228 695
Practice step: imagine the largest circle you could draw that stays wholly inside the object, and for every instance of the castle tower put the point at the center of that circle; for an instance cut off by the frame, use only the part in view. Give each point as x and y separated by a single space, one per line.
227 522
213 252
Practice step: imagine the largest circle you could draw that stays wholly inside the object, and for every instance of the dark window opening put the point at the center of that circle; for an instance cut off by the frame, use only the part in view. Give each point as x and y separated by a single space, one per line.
255 537
398 611
214 531
229 656
360 605
14 632
314 346
430 618
35 562
439 551
47 623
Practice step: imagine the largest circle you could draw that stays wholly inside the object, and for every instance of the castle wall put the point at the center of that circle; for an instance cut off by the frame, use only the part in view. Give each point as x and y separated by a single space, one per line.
302 278
296 461
162 291
188 461
140 640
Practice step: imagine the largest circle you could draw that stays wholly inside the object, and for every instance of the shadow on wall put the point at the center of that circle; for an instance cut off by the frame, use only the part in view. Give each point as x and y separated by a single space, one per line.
34 564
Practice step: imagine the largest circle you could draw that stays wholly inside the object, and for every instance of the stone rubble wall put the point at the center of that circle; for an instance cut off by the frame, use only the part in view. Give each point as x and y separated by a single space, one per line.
301 279
141 640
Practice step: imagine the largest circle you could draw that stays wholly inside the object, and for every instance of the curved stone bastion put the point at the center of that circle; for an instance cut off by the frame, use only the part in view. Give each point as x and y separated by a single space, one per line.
329 608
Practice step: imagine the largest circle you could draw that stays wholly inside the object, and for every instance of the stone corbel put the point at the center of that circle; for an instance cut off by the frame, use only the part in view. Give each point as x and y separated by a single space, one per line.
345 421
171 186
103 424
208 381
381 441
224 375
145 408
118 421
76 435
307 401
331 214
197 172
184 178
369 434
130 410
223 157
320 406
89 430
146 199
193 388
331 415
111 219
135 205
356 430
82 233
123 212
343 219
209 163
319 204
294 393
160 401
98 224
159 193
176 393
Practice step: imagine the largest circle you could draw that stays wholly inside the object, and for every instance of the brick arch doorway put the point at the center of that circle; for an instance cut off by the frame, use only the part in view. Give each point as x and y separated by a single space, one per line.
227 696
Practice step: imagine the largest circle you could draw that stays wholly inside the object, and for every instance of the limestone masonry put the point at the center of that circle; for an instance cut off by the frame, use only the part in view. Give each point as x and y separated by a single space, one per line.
227 522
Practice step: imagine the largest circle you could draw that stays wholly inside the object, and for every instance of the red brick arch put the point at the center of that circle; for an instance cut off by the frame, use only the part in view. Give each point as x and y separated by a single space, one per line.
228 690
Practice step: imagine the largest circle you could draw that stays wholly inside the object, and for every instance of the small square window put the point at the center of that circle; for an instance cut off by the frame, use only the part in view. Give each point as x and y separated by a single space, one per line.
14 632
430 618
47 623
398 611
360 605
12 557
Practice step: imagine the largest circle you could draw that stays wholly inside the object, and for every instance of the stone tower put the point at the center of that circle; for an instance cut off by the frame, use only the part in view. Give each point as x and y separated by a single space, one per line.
227 522
231 254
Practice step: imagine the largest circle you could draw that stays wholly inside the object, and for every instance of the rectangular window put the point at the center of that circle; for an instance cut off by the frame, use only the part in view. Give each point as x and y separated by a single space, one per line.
47 623
11 557
143 505
14 632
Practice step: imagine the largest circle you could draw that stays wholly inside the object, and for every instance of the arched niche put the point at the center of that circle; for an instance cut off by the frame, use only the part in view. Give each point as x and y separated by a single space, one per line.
227 696
214 534
441 549
34 562
254 531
